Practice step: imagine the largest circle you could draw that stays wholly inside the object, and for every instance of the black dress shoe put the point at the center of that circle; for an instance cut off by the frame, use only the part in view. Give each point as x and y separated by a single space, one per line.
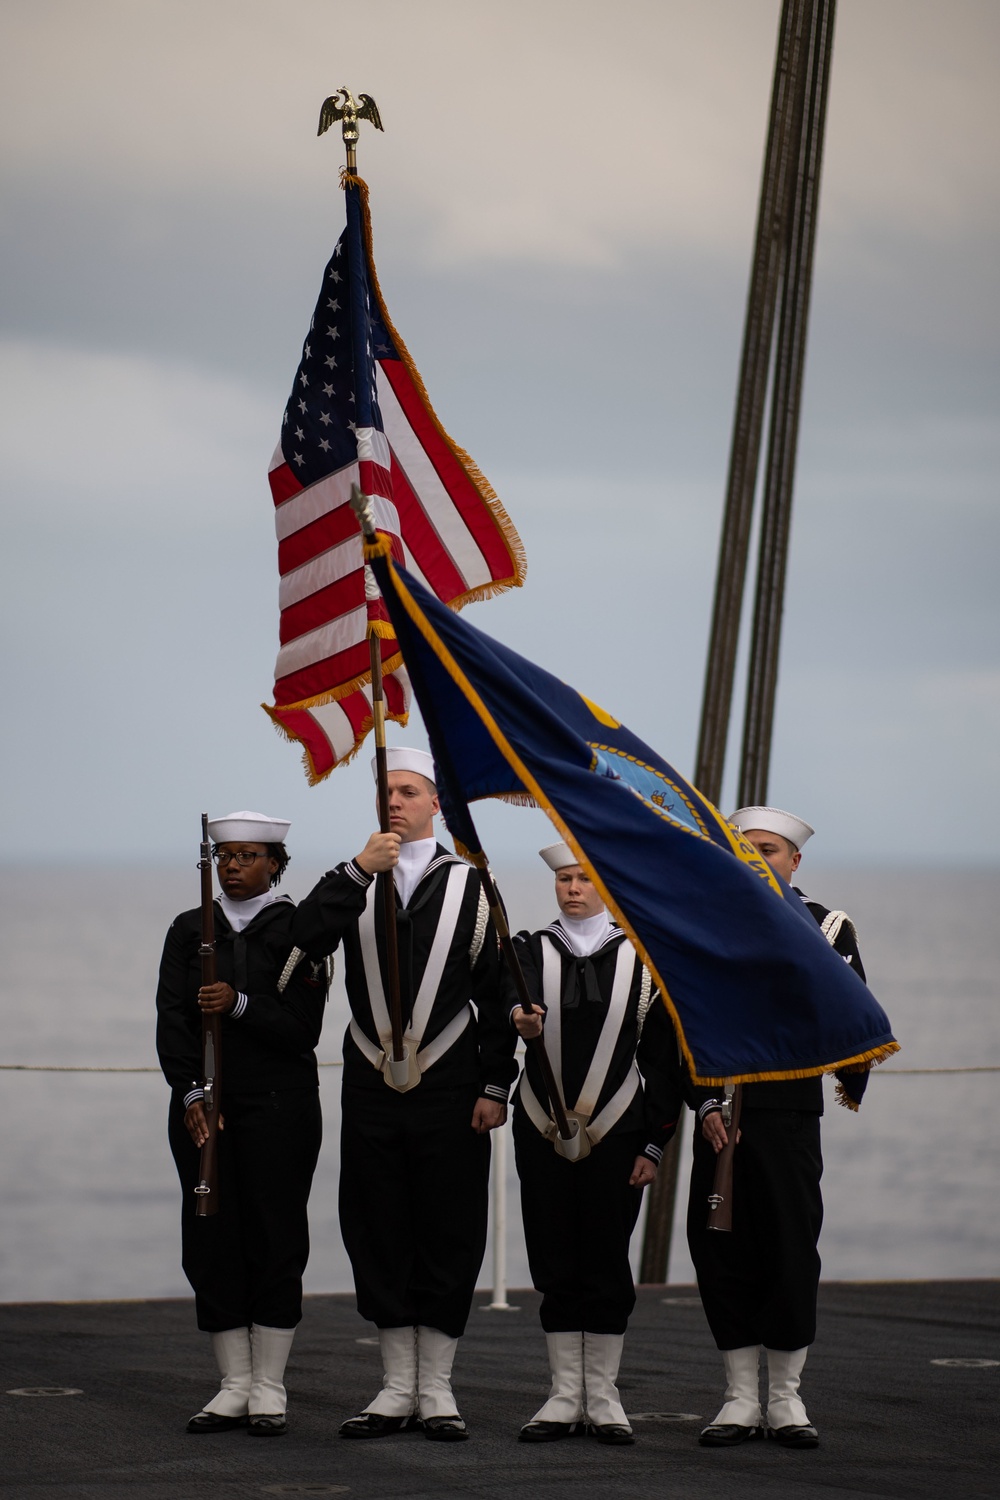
803 1436
372 1424
267 1424
728 1434
550 1432
210 1421
612 1432
445 1429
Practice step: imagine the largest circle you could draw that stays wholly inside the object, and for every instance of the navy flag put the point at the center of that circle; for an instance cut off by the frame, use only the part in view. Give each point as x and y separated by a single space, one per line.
753 988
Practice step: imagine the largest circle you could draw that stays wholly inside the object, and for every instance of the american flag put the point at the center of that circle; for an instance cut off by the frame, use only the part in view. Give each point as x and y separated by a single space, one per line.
359 414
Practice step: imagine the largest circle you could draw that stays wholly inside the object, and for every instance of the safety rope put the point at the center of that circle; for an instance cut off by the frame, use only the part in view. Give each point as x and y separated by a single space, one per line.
882 1072
920 1072
53 1068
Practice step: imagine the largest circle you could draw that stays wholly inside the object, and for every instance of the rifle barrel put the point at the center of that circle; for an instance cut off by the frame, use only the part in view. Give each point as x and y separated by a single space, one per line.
207 1190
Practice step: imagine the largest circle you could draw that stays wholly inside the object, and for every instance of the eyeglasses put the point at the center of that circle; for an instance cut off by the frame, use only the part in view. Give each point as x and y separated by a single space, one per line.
243 857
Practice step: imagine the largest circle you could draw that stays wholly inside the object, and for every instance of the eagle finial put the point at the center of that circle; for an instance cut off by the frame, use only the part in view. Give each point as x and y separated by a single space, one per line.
343 106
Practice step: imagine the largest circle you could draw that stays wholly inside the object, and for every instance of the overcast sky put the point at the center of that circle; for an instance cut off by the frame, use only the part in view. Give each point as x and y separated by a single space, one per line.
564 202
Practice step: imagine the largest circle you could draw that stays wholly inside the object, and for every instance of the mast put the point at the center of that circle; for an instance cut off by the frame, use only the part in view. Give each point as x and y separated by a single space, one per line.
770 375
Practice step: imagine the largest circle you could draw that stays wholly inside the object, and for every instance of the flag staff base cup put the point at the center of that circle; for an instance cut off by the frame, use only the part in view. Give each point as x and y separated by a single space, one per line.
402 1074
576 1145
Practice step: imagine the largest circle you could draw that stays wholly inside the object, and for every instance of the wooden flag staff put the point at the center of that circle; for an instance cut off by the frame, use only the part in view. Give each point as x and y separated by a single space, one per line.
401 1071
572 1140
399 1063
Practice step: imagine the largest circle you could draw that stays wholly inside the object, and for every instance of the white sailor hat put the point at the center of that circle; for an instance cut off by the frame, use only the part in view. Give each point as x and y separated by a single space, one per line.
773 820
558 856
247 828
399 758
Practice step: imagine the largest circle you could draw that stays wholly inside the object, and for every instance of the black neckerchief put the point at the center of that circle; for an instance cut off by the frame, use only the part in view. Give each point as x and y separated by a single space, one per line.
241 978
580 983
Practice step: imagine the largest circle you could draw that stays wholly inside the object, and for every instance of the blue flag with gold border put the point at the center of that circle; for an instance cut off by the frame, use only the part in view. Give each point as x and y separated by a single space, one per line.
753 987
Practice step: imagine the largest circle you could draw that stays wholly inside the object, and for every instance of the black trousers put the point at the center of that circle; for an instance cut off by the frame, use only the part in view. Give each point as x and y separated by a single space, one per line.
414 1200
578 1220
245 1263
758 1284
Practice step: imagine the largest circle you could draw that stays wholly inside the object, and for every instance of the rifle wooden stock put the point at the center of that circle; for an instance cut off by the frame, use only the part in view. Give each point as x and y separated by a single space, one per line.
207 1191
720 1200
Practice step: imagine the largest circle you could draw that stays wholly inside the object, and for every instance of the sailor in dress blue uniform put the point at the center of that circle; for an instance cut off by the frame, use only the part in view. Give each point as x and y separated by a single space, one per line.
759 1283
245 1263
614 1057
415 1159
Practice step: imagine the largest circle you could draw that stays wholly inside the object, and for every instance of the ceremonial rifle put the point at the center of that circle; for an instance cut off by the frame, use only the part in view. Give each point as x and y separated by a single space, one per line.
207 1190
720 1199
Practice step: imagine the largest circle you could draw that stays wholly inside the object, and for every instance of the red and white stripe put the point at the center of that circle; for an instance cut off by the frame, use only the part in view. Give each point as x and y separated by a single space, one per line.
446 528
442 530
333 731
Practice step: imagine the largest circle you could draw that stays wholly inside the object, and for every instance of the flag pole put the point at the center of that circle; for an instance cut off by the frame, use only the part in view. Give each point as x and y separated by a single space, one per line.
386 884
362 507
344 107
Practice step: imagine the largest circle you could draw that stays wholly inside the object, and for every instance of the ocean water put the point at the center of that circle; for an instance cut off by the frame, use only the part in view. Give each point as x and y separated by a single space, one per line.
91 1202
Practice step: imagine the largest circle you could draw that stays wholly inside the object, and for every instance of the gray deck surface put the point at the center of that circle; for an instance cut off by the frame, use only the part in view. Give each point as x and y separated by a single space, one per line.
891 1421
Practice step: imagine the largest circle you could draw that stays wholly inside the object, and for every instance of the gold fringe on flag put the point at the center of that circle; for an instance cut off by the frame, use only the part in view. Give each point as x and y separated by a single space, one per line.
857 1064
345 689
383 630
843 1097
313 776
473 698
380 547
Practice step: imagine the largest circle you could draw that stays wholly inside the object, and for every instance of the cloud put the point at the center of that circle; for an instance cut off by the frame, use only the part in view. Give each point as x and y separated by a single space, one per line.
561 132
969 704
114 440
911 756
564 203
912 121
499 149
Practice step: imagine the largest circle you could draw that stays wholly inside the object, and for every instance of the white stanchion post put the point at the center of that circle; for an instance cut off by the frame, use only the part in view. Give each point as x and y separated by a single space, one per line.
500 1303
499 1216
